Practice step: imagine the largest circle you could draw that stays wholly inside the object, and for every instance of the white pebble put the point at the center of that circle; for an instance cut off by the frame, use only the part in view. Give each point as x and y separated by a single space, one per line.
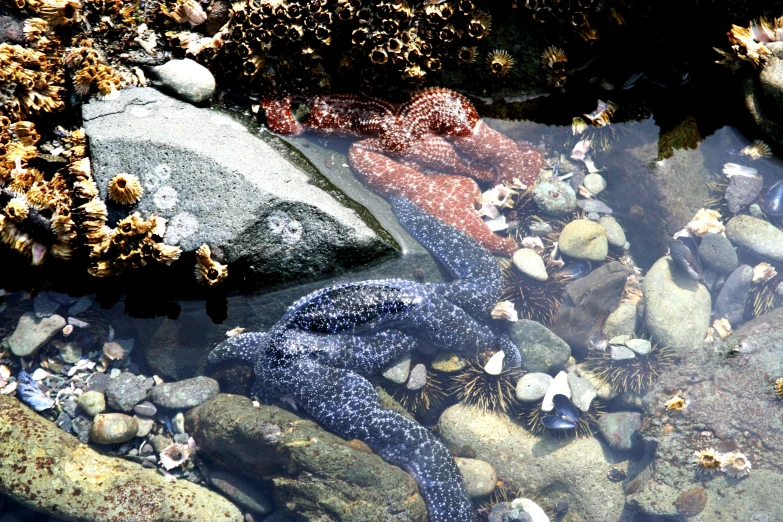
529 263
495 364
640 346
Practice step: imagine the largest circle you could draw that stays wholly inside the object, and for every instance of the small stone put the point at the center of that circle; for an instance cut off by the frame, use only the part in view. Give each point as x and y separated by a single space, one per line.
555 198
582 391
113 428
495 364
479 476
32 332
126 391
716 252
448 362
185 394
187 79
540 348
145 426
44 306
755 211
98 382
398 371
64 422
620 339
622 321
80 306
742 191
530 263
593 205
584 239
92 403
145 408
691 502
533 386
178 423
614 232
527 506
558 386
639 346
243 492
756 235
730 304
621 353
593 216
181 438
71 353
418 377
595 183
540 228
621 429
81 426
160 442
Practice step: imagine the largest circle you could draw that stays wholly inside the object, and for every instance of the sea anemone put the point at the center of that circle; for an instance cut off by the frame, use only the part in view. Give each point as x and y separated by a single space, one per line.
757 149
125 189
209 271
174 455
500 62
427 397
734 464
707 461
631 375
475 387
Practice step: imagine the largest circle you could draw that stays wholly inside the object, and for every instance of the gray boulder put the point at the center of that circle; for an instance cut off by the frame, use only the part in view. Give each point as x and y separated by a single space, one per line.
541 349
730 304
718 253
185 394
32 332
621 429
260 206
756 235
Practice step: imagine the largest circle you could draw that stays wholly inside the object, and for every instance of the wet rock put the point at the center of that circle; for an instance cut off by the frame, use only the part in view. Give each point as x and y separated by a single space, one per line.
621 353
677 308
621 429
691 502
314 474
595 183
756 235
533 386
81 426
80 306
98 382
398 371
540 348
127 390
178 424
480 477
186 79
717 252
539 464
593 205
145 408
584 239
71 353
530 263
185 394
44 306
295 226
742 191
639 346
145 426
113 428
540 228
588 301
70 480
32 332
448 362
242 491
92 403
582 390
730 304
614 232
11 28
622 321
555 198
732 407
417 378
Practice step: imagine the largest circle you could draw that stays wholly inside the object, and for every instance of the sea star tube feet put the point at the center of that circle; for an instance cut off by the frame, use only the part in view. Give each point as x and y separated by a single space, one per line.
320 351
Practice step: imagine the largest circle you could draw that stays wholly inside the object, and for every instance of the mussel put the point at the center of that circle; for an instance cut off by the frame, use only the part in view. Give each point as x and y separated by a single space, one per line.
685 255
773 200
30 393
565 415
575 270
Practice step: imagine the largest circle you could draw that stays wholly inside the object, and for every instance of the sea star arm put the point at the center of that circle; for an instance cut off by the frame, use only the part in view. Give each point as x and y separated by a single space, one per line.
346 404
437 153
244 347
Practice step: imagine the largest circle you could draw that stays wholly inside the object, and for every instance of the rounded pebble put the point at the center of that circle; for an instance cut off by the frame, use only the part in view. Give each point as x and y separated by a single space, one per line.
178 423
533 386
145 408
582 390
92 403
188 79
398 371
595 183
717 252
113 428
614 232
479 476
621 353
555 197
185 394
530 263
418 377
495 364
448 362
584 239
540 228
639 346
145 426
71 353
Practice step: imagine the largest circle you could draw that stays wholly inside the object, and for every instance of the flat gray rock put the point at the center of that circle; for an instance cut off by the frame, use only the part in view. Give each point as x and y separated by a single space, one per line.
757 235
541 349
258 204
185 394
32 332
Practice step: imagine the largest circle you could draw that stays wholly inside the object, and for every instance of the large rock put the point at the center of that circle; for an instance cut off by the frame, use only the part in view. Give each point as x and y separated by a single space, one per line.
33 332
756 235
273 217
573 470
731 407
677 307
587 303
314 474
541 349
763 94
52 472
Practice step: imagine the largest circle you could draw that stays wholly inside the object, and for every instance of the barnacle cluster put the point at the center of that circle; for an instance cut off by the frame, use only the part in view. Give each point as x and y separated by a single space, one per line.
778 385
581 14
747 43
553 61
91 73
733 464
276 42
208 271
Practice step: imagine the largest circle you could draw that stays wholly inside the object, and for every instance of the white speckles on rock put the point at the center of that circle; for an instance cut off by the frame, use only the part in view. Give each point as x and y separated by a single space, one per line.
640 346
559 385
621 353
288 229
533 386
398 371
530 263
165 198
495 364
180 227
139 112
418 377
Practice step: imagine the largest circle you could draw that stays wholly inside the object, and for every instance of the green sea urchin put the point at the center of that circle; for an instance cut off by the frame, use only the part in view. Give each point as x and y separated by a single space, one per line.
631 375
474 386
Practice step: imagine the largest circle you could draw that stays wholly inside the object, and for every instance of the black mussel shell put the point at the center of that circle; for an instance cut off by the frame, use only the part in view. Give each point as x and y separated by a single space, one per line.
575 270
773 200
565 408
556 422
686 256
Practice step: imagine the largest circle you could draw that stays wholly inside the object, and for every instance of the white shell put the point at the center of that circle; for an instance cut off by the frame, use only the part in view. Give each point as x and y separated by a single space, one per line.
40 374
505 310
498 224
559 386
531 508
733 169
495 364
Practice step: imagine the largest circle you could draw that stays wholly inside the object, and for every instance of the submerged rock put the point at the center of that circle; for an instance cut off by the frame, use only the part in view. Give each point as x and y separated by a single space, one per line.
584 239
621 429
718 253
540 348
32 332
555 198
270 214
730 304
480 477
56 474
314 474
756 235
185 394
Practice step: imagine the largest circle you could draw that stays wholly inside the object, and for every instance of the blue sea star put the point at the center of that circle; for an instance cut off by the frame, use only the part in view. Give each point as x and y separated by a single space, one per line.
319 351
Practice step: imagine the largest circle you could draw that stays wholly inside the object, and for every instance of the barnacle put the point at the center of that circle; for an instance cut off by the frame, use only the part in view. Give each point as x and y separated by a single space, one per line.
56 12
125 189
209 271
676 403
189 11
553 61
734 464
17 209
778 384
475 387
757 149
466 54
500 62
707 461
174 455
